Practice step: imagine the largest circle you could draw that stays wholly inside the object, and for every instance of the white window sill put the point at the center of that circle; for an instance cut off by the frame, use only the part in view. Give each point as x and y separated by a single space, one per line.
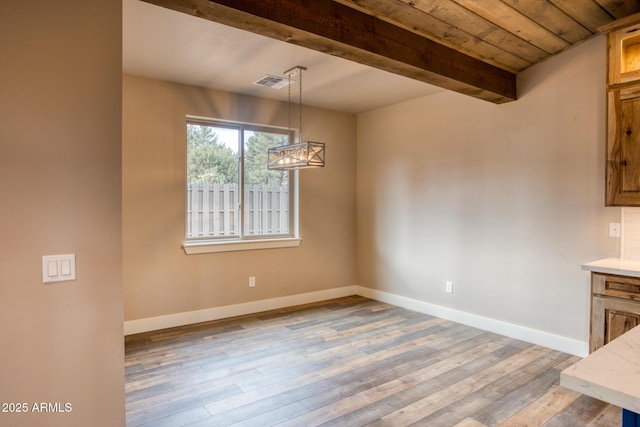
208 246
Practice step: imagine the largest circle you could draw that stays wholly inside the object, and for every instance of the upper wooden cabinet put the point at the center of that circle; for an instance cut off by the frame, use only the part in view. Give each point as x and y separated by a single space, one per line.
624 51
623 112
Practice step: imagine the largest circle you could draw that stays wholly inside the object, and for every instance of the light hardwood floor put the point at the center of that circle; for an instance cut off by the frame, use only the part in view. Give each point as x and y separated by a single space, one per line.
348 362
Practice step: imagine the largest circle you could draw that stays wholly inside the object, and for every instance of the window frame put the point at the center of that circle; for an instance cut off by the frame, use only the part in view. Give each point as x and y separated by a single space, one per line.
211 244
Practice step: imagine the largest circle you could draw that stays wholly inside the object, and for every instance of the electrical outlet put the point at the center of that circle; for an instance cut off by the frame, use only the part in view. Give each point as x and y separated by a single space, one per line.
252 282
614 229
449 287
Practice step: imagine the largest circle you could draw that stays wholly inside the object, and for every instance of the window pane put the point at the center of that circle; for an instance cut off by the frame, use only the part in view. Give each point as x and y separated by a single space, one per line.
266 192
212 181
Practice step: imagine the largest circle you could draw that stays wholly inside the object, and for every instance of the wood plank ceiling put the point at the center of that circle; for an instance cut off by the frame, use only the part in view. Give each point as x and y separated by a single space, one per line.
475 47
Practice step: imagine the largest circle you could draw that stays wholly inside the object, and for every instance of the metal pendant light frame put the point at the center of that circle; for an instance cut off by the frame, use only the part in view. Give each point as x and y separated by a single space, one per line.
304 154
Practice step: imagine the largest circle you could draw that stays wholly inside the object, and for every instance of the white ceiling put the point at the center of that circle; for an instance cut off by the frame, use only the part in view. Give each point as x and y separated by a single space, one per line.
168 45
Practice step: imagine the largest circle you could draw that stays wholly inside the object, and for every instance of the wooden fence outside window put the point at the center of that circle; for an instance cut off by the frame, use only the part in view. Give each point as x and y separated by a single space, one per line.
213 210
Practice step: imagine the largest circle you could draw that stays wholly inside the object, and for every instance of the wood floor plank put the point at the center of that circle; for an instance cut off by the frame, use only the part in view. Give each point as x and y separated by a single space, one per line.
178 419
348 362
222 389
174 407
580 412
610 416
518 399
469 422
542 409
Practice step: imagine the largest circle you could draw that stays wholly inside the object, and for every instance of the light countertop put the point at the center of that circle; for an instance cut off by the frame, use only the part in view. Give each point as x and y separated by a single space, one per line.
619 266
611 373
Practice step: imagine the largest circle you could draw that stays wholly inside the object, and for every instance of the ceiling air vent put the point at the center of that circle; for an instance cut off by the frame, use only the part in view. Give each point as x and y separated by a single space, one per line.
273 82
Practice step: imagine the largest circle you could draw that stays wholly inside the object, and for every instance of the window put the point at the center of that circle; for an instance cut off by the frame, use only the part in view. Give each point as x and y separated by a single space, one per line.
231 195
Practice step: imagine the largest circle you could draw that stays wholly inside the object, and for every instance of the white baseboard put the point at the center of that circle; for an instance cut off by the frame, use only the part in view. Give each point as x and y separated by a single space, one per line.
534 336
179 319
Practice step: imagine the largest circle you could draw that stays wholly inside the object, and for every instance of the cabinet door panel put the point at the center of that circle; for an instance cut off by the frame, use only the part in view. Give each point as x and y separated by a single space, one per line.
619 322
623 147
610 318
630 144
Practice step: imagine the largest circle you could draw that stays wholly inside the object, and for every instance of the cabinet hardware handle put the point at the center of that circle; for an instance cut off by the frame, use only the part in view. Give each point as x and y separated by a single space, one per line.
628 132
623 163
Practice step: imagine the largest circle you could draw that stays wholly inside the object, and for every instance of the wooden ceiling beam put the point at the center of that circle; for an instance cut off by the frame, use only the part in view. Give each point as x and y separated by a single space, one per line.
333 28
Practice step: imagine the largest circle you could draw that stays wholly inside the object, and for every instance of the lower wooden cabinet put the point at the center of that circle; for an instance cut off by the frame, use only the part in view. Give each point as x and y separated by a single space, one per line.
615 307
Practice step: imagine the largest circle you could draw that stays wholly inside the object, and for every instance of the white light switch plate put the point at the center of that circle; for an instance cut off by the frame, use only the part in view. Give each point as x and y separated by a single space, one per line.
58 268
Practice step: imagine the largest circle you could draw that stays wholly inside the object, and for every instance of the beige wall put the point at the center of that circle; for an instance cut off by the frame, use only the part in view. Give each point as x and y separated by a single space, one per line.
504 200
159 279
60 181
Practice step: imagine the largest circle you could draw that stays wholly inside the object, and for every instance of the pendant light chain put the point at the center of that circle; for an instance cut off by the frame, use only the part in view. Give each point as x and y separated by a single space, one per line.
300 113
289 103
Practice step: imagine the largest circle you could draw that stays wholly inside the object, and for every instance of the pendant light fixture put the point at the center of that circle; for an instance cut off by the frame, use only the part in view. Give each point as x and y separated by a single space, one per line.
304 154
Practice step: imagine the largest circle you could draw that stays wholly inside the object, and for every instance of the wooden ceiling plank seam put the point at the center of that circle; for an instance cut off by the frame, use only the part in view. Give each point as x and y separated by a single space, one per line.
620 9
489 53
480 28
508 18
400 14
587 12
552 18
341 31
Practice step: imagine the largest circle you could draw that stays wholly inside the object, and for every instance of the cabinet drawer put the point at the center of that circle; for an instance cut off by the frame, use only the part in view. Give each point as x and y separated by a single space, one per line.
616 286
